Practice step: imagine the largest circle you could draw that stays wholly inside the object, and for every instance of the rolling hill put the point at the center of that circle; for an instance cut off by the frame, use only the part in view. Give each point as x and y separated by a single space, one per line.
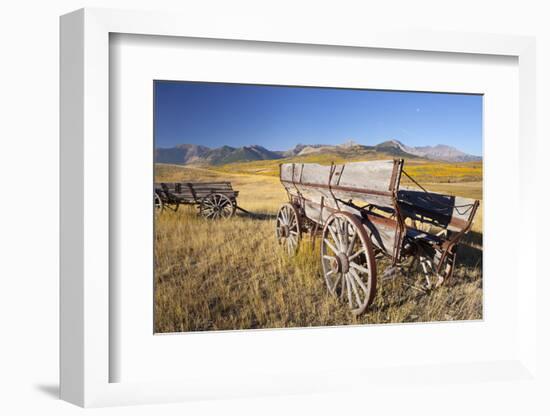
186 154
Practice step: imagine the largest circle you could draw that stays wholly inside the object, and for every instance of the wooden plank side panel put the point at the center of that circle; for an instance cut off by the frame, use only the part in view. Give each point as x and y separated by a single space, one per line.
287 171
210 186
200 195
207 191
373 175
315 213
316 194
221 185
185 187
315 174
320 213
446 211
381 233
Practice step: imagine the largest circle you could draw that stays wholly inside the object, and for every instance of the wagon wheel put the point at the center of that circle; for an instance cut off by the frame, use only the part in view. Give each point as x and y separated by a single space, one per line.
348 261
288 228
214 206
159 205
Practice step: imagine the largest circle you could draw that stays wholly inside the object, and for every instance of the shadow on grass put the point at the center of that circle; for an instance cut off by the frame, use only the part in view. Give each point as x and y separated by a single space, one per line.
262 216
469 262
473 238
470 251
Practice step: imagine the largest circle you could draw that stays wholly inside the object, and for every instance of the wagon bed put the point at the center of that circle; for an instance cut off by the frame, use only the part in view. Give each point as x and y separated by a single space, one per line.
362 212
214 199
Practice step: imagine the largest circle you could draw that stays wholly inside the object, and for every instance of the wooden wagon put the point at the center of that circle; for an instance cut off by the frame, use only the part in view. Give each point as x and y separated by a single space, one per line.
214 199
364 215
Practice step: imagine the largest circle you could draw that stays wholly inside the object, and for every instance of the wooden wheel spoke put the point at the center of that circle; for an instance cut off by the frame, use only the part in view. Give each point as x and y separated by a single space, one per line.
217 205
227 208
159 205
291 245
340 234
358 267
288 228
336 240
354 290
289 215
335 284
356 254
348 261
348 287
334 250
352 243
285 217
343 287
359 281
345 236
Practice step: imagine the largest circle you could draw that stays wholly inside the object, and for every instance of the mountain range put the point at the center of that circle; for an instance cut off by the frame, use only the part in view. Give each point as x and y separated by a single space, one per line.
184 154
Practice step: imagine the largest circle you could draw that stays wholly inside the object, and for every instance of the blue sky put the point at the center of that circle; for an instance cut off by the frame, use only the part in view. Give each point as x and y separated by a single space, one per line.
278 118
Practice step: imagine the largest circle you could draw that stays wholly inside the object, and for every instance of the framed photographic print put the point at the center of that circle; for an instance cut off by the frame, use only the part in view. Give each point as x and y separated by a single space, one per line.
285 206
266 213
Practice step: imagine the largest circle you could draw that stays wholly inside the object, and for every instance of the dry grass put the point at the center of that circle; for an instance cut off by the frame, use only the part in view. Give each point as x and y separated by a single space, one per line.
231 274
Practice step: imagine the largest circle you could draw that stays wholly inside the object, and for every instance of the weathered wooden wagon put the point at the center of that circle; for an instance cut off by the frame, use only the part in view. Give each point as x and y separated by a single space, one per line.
364 215
214 199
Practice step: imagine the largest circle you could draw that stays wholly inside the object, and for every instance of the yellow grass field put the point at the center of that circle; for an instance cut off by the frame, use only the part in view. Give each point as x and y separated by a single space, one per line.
231 274
421 170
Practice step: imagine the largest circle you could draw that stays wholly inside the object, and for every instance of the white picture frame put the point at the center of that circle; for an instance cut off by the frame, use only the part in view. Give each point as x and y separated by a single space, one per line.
85 220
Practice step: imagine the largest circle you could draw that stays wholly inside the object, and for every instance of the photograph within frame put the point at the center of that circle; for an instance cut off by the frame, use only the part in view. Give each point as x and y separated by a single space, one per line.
288 206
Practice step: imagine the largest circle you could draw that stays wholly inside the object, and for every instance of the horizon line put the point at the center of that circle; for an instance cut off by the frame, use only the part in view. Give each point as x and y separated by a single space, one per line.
322 144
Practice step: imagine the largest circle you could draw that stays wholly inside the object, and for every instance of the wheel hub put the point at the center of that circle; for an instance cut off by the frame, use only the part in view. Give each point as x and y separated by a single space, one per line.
285 231
340 263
